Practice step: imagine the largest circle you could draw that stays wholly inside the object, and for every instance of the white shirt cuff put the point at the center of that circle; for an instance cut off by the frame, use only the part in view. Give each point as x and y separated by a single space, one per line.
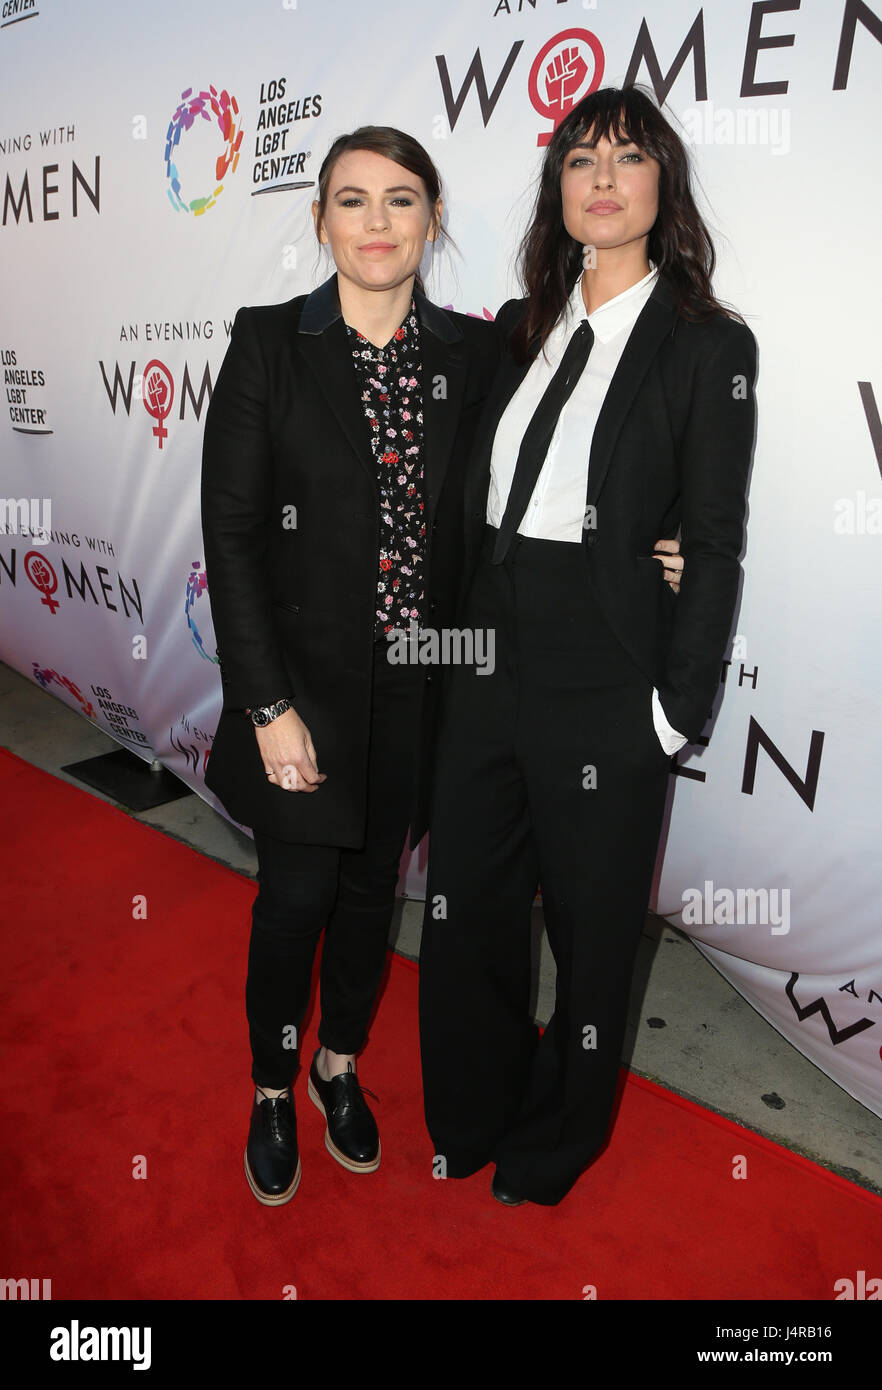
669 739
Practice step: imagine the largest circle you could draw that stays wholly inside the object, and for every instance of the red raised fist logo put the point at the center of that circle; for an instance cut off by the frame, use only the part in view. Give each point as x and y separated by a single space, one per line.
570 66
158 394
564 76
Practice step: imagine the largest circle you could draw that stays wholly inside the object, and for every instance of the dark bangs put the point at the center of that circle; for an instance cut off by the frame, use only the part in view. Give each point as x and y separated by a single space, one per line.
679 242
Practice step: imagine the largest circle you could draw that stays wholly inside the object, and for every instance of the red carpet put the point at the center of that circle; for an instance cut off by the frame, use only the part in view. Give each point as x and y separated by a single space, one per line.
126 1037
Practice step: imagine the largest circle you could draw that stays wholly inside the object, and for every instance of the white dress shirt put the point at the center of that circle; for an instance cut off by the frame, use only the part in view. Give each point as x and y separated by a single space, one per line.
556 510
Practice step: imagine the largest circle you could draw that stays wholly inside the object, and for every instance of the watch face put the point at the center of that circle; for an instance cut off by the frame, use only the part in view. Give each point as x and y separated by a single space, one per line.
267 713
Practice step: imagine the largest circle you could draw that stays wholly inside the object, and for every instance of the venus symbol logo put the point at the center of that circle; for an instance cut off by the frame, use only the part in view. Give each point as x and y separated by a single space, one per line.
158 394
43 577
565 70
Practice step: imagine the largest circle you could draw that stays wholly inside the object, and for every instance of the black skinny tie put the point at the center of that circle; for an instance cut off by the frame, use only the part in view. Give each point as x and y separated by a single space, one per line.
538 436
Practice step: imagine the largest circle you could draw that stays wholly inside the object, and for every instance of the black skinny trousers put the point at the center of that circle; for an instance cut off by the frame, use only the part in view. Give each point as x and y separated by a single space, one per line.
350 893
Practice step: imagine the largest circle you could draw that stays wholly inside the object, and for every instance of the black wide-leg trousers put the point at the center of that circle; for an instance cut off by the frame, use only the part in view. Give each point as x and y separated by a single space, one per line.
349 893
549 772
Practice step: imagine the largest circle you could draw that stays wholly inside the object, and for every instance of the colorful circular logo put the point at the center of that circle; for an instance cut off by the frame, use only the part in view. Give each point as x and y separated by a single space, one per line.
225 110
197 585
45 675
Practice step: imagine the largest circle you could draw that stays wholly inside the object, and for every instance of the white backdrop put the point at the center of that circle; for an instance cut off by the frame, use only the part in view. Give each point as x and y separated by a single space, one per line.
142 207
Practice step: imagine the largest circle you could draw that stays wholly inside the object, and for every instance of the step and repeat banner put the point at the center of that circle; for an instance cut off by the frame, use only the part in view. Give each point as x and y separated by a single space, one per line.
158 167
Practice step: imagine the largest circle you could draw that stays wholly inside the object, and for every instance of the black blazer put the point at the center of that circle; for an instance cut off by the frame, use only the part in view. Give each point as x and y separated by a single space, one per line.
293 592
671 448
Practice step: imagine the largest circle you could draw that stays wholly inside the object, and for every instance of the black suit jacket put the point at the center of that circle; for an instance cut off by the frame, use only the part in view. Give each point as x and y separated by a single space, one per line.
290 519
671 448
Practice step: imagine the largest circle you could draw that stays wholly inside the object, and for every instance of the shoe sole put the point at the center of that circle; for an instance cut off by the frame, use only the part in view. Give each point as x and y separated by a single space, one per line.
269 1199
370 1166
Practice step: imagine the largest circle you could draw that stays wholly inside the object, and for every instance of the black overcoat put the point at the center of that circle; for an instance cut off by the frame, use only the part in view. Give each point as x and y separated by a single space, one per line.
291 519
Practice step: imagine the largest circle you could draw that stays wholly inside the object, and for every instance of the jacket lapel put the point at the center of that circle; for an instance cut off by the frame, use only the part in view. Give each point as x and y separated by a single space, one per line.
508 379
443 360
324 346
654 322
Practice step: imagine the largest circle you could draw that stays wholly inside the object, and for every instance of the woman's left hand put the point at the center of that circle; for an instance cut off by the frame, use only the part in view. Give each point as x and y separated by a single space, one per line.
672 561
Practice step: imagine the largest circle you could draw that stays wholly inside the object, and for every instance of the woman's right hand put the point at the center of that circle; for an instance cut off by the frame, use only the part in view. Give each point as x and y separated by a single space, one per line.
673 562
288 754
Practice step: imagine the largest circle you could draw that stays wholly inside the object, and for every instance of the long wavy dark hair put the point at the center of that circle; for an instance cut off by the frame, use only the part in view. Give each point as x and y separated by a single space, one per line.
394 144
679 243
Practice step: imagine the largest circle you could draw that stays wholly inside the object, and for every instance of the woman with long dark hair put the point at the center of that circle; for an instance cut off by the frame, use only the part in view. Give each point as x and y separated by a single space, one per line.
623 410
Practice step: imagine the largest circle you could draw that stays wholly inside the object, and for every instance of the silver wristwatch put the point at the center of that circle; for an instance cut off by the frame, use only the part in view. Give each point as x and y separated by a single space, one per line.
267 713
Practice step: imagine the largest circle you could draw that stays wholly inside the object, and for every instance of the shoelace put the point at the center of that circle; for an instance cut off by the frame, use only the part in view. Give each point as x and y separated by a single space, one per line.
353 1098
278 1117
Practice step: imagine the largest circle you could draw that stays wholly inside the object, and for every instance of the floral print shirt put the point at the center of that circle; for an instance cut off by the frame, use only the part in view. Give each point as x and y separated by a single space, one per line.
391 397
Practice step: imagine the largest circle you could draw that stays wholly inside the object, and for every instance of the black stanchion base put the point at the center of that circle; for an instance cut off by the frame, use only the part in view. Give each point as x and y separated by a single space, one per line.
129 780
